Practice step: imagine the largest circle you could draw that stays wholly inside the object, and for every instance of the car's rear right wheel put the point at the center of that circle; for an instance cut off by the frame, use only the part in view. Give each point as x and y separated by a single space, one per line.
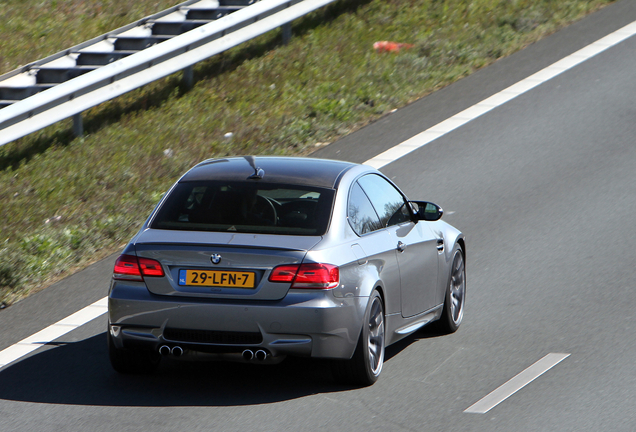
131 362
366 364
455 295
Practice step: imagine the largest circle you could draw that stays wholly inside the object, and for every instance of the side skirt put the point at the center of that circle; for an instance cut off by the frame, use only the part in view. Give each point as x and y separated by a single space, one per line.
399 327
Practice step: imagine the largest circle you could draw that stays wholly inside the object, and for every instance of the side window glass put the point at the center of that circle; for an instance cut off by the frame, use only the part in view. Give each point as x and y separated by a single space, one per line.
386 199
360 212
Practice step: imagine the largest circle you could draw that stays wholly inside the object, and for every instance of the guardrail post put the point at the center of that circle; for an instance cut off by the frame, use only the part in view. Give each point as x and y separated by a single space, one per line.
188 77
287 34
78 125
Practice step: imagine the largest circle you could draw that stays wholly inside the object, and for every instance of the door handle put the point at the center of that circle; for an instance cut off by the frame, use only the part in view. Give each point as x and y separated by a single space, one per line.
401 247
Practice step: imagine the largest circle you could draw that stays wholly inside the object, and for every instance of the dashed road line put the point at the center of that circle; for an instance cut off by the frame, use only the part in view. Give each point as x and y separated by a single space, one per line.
511 387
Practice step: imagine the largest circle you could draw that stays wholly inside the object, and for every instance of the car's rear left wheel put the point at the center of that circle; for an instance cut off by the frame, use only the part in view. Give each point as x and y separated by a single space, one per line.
131 361
366 364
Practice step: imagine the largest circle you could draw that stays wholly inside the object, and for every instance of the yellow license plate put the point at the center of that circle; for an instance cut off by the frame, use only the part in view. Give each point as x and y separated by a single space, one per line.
217 278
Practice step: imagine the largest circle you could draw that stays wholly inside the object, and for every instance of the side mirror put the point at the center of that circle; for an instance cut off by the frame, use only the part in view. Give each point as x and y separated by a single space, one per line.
427 211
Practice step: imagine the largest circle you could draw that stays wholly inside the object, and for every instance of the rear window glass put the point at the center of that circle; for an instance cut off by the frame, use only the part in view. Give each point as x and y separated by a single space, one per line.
248 207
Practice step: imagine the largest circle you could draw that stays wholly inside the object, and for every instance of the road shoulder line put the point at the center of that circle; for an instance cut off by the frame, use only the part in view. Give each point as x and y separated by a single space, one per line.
498 99
52 332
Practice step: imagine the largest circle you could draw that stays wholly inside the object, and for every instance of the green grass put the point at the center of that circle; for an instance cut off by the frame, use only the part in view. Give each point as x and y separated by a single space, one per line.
66 202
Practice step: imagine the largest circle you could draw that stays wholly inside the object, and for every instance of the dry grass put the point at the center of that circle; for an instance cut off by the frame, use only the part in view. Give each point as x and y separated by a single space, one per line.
30 30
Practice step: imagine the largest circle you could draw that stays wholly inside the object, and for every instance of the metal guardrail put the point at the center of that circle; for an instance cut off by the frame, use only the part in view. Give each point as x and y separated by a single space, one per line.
93 86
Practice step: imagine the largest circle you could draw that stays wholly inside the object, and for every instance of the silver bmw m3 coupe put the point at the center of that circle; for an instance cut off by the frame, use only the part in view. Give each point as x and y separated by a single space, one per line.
257 258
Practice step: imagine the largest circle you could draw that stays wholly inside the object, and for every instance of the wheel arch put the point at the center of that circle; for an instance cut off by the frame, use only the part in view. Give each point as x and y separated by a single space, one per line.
462 244
380 291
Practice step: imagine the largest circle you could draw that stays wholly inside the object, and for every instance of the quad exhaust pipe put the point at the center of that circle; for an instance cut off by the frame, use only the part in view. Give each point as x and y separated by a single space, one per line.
176 351
259 355
248 355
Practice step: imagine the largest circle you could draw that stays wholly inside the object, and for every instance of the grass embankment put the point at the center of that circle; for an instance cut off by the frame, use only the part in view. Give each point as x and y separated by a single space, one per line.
66 202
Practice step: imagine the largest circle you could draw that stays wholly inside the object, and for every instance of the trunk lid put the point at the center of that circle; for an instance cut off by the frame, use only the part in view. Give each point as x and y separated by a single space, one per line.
240 269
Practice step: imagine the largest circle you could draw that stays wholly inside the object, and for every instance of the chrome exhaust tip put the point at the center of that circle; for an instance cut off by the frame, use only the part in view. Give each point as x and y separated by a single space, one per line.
261 355
248 355
164 350
177 351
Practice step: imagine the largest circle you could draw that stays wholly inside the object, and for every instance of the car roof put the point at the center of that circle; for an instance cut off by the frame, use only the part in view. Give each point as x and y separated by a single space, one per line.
284 170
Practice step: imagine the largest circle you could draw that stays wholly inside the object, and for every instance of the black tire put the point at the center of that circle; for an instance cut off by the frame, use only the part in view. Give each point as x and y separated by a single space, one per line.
364 367
455 297
132 362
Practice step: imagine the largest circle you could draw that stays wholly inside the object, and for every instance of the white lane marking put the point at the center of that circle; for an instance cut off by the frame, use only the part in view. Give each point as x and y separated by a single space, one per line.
60 328
460 119
49 334
517 383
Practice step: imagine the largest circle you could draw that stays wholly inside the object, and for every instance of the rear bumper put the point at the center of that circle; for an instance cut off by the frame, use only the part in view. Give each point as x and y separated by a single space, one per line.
304 323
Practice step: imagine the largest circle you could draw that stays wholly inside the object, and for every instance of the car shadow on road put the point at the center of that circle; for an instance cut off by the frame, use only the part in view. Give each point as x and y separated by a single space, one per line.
79 373
427 332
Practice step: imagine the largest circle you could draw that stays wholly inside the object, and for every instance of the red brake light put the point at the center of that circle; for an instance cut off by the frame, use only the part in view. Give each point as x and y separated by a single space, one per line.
150 267
284 273
129 267
320 276
307 276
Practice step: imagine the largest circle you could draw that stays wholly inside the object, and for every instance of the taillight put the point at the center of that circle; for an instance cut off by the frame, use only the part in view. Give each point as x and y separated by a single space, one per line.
150 267
307 276
129 267
320 276
284 273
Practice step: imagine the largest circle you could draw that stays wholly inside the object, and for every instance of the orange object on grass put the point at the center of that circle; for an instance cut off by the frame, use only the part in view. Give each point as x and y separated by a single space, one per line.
386 46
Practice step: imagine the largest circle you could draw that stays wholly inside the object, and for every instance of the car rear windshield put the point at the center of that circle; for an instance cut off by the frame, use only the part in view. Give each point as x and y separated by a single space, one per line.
248 207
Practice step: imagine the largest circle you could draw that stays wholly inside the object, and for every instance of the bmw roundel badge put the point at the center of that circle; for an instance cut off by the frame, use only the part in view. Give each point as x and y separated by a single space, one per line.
216 258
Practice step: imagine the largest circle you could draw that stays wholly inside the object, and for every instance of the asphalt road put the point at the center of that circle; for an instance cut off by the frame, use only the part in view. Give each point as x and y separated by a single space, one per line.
544 188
